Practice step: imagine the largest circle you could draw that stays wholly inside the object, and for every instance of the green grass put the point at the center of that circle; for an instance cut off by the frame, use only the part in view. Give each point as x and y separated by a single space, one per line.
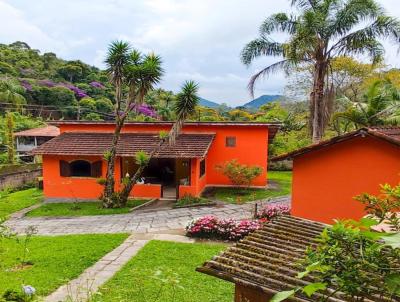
188 200
55 260
81 209
231 195
13 202
138 280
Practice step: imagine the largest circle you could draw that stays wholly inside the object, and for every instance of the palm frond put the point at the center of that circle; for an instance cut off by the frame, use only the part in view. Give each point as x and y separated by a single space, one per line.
281 65
117 57
364 41
151 73
305 4
185 105
351 14
261 47
186 100
280 22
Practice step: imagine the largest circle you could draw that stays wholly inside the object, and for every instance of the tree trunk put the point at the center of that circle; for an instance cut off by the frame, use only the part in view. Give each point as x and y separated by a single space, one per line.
317 102
124 194
108 193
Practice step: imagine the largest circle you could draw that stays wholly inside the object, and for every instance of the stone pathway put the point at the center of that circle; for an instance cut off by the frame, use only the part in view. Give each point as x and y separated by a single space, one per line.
81 288
135 222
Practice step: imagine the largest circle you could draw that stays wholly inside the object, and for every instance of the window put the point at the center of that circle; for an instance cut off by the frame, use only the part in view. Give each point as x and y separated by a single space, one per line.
202 167
80 168
230 141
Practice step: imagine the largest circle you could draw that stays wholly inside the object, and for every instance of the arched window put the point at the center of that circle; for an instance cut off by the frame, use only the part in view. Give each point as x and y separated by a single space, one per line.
81 168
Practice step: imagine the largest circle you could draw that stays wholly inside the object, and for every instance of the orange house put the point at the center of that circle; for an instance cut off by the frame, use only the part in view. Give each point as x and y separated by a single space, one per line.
327 176
73 161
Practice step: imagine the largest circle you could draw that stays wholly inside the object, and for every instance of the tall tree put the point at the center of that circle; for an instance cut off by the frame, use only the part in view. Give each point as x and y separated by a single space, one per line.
321 31
133 75
185 104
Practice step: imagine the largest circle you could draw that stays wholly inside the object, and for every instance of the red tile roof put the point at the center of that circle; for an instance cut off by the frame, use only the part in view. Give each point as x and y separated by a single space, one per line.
268 259
273 127
51 131
389 134
85 143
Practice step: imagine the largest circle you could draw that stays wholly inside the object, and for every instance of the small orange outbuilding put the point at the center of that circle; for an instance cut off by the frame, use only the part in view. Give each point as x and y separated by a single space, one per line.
73 161
328 175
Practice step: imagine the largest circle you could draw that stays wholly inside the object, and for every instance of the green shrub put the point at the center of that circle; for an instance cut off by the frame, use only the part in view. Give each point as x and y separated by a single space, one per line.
238 174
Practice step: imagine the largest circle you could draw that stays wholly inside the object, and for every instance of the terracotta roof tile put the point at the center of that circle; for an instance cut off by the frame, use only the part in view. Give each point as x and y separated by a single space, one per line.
273 127
268 259
82 143
51 131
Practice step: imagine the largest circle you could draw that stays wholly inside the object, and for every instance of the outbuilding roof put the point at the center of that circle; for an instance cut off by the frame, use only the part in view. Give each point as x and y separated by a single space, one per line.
50 131
95 143
389 134
268 259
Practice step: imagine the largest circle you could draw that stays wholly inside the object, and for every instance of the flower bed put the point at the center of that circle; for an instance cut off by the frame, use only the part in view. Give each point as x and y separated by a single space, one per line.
212 227
224 229
271 211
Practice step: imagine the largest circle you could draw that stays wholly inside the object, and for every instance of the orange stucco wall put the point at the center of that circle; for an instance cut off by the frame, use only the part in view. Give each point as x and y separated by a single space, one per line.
56 186
325 181
251 145
251 149
146 191
197 183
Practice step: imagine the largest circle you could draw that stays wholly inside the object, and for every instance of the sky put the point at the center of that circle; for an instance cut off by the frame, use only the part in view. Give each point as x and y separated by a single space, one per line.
199 40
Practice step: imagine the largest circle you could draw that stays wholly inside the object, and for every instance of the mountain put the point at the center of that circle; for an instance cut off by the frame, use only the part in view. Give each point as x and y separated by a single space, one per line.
207 103
264 99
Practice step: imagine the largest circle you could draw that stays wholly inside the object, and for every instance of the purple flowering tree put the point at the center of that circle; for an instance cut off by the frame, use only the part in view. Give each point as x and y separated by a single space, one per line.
97 85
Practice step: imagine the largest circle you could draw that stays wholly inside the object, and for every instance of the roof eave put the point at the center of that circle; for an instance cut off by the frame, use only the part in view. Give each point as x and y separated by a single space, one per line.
337 139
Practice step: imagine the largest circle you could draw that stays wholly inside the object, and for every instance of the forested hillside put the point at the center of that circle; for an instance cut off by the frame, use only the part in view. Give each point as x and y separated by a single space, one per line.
37 87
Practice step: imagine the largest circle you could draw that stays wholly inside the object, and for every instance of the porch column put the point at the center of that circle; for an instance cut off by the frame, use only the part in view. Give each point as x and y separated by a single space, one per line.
195 173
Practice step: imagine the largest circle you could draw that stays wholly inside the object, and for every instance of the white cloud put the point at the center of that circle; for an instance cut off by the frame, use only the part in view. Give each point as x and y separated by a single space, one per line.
14 26
198 40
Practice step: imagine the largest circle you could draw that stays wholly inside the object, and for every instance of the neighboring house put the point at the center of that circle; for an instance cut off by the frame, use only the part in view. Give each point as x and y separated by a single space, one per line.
327 176
73 161
28 140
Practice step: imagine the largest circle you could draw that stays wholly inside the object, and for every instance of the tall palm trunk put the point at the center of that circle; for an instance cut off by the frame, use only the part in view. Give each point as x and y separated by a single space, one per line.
109 185
317 110
110 182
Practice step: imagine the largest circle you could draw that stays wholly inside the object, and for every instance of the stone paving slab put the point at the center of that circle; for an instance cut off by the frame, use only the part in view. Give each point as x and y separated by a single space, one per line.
81 288
135 222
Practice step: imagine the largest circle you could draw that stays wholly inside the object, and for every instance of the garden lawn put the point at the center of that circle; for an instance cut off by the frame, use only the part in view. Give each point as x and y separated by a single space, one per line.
282 178
55 259
152 274
13 202
81 209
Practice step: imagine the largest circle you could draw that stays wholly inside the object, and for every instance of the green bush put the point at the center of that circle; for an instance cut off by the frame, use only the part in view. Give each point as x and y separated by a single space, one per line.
238 174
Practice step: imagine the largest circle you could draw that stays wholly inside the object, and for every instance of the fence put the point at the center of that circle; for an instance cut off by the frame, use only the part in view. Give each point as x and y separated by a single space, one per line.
19 176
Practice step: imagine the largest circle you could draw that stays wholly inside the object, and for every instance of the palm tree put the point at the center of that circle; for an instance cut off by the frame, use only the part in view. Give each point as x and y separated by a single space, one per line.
380 106
133 75
11 92
322 30
185 104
